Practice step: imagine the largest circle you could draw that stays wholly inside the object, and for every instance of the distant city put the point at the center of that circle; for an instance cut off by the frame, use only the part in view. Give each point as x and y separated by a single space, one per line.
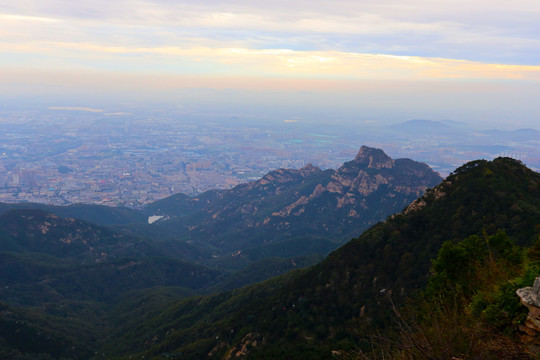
63 156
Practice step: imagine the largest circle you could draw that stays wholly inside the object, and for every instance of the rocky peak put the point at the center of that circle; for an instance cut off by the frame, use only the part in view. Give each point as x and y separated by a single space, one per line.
373 158
309 169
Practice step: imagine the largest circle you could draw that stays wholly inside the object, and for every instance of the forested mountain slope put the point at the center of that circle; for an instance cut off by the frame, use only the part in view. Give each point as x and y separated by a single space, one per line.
310 313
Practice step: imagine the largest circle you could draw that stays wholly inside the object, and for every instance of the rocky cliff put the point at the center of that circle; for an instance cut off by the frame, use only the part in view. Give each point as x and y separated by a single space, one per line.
308 202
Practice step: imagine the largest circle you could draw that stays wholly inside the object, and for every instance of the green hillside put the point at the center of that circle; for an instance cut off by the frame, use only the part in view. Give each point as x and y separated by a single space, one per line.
331 305
98 214
452 259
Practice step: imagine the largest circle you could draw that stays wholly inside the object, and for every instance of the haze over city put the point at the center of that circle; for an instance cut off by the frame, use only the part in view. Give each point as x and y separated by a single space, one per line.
373 62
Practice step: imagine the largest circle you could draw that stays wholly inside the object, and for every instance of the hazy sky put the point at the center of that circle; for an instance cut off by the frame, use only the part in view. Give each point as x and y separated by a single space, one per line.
468 60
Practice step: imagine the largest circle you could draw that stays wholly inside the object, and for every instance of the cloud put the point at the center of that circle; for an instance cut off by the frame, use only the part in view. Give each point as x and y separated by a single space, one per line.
269 62
75 108
480 30
399 54
26 19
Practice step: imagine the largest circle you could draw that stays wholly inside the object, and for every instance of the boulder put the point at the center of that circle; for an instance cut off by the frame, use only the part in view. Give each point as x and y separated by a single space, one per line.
530 297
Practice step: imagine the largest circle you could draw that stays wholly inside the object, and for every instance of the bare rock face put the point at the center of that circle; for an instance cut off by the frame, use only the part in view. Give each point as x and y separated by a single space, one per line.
373 158
530 297
250 341
278 177
307 202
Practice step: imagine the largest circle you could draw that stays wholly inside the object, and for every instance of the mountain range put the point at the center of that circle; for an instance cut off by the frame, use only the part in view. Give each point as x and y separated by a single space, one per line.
286 213
319 311
76 290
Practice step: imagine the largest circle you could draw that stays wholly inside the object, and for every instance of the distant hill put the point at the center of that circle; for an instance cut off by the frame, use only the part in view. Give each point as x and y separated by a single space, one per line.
65 258
34 230
35 280
58 277
314 312
286 204
420 127
98 214
517 135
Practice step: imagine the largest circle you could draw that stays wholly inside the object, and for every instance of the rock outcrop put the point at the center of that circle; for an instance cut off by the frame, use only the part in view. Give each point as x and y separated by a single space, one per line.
373 158
530 297
292 203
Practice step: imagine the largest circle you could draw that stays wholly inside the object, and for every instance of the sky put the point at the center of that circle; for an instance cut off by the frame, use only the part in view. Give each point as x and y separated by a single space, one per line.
363 60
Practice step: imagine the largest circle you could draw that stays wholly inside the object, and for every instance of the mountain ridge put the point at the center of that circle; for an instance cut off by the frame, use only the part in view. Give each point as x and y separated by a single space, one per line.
319 310
312 313
285 203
